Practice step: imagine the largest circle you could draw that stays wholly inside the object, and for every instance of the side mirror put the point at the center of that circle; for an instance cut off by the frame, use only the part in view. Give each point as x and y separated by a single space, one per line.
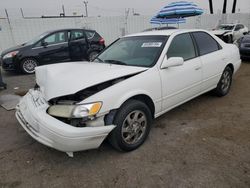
172 62
44 44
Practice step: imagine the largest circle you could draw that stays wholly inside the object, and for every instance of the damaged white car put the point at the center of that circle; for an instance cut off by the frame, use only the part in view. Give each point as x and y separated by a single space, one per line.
75 106
230 32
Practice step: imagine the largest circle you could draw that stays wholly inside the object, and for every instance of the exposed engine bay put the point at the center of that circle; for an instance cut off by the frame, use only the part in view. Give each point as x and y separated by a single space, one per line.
80 96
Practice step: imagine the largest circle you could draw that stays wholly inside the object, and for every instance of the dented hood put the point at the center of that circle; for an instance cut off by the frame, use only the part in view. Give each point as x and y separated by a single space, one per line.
220 32
68 78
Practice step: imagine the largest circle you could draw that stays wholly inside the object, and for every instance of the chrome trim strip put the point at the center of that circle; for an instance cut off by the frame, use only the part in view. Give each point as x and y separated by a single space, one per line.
49 45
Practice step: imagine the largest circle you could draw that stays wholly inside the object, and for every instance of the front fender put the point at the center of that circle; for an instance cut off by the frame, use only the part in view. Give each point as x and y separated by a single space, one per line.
130 95
145 83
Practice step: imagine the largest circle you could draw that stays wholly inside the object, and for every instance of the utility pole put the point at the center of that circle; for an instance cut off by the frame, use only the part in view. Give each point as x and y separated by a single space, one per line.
63 10
86 7
22 12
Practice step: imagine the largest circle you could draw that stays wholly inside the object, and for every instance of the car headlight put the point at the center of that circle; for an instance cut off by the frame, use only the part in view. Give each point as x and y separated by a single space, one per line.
75 111
10 54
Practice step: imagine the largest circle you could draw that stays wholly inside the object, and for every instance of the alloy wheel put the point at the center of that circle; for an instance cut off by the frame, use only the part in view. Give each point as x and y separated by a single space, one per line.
134 127
226 81
29 66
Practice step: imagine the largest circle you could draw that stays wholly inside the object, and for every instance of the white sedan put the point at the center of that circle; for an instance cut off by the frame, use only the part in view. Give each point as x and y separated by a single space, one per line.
75 106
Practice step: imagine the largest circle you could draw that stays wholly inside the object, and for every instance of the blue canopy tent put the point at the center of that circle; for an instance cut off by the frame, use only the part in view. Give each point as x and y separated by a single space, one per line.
175 13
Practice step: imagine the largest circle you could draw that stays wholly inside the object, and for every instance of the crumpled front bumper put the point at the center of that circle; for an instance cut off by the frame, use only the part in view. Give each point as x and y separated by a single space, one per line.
31 114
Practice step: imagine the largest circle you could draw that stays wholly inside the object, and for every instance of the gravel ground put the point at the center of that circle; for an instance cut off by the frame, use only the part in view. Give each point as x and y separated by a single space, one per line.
203 143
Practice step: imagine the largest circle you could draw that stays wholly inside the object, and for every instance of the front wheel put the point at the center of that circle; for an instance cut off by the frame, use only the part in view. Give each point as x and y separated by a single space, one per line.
225 82
133 121
28 65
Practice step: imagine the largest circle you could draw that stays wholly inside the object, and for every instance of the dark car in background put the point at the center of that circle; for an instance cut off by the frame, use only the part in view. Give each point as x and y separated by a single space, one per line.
53 47
244 47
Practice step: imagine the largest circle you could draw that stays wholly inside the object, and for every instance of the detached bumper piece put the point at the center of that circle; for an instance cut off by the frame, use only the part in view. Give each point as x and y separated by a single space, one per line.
31 114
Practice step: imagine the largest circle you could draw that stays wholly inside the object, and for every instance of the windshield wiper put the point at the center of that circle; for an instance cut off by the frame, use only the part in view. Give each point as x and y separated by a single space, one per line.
99 60
117 62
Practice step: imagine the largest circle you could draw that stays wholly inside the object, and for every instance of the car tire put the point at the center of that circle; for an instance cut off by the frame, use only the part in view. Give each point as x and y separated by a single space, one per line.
28 65
93 55
225 82
133 122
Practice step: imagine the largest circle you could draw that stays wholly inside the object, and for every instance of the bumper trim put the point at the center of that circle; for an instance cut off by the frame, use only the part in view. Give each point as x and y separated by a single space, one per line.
54 133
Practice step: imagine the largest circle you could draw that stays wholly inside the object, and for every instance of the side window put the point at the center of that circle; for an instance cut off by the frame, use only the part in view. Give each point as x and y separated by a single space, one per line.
237 28
206 43
77 34
55 38
90 34
182 46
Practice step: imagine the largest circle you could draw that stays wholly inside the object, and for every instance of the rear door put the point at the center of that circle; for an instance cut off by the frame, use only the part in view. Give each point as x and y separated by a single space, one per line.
78 45
53 48
213 59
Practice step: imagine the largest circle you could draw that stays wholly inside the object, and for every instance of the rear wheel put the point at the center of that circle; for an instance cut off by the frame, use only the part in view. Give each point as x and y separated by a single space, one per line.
225 82
133 122
93 55
28 65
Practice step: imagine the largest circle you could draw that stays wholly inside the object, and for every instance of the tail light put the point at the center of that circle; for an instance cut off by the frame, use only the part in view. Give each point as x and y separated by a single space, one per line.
102 41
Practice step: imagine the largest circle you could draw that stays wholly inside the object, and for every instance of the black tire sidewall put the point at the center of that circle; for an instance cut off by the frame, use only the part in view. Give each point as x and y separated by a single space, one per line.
116 134
219 90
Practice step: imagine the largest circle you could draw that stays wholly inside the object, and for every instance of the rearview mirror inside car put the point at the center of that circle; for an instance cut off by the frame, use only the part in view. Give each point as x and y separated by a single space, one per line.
172 62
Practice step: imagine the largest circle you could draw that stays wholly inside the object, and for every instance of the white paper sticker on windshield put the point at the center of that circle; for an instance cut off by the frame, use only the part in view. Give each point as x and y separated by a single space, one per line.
151 45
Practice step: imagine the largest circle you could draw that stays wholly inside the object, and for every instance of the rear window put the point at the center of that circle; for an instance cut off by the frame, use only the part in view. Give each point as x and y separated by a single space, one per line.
90 34
206 44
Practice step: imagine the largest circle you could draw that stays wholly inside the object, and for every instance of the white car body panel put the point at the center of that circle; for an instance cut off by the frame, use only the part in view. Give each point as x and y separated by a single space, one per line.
84 75
137 86
32 115
167 88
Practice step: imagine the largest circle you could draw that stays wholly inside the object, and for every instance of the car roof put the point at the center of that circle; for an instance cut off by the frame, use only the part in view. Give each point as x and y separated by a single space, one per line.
163 32
71 29
159 28
230 24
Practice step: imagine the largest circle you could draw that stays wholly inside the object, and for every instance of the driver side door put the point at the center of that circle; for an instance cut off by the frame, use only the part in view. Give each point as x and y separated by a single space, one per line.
53 48
181 83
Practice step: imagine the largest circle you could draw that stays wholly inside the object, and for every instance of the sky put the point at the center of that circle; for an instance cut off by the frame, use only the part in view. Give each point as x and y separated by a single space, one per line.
103 7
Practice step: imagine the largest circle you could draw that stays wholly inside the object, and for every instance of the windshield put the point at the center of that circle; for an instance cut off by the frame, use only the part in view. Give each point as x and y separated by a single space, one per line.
36 39
226 27
141 51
